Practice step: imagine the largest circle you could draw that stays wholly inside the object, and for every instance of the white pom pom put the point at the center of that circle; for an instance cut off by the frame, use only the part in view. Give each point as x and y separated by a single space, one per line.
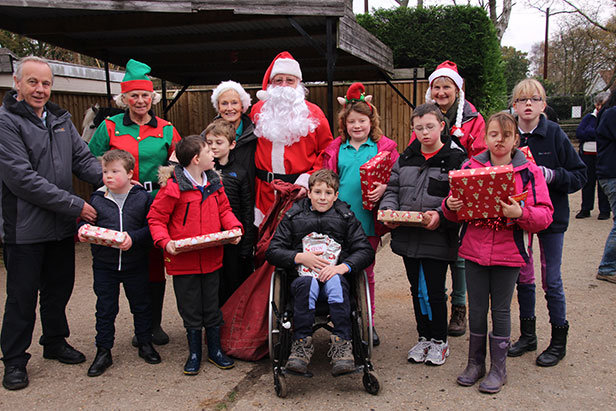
262 95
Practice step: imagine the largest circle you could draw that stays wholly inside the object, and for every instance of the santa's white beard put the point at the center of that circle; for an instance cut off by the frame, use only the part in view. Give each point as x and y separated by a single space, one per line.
285 117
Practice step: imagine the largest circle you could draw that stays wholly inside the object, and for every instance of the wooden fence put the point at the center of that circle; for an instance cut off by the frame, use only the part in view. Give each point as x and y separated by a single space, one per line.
193 110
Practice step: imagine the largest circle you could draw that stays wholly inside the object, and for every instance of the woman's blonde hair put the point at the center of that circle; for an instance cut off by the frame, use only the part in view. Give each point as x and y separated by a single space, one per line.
366 109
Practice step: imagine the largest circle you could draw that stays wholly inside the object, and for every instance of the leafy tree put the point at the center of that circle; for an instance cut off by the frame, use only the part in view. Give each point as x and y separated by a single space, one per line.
427 37
516 66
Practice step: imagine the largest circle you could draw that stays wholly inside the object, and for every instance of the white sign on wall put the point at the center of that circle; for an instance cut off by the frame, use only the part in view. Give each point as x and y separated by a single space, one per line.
576 111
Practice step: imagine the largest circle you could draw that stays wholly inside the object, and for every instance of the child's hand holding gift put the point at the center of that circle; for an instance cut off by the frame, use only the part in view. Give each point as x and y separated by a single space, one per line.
127 243
376 194
332 270
311 260
433 221
170 248
512 210
454 203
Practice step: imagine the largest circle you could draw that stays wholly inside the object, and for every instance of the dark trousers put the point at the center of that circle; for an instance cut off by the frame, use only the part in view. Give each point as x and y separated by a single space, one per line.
197 299
107 290
233 273
434 273
588 191
490 286
46 267
307 291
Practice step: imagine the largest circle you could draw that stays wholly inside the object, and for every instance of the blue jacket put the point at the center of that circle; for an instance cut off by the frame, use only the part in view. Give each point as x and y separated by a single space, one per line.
606 144
586 130
130 218
551 148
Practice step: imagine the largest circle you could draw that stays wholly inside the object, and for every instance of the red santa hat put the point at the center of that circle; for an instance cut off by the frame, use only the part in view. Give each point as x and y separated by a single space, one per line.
283 63
449 69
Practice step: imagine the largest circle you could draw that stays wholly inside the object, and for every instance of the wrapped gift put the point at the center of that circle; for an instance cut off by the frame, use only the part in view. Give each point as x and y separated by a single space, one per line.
405 218
528 154
101 236
481 190
319 244
207 240
376 170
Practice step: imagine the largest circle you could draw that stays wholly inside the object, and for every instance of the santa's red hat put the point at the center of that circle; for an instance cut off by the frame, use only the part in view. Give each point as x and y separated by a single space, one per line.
283 63
449 69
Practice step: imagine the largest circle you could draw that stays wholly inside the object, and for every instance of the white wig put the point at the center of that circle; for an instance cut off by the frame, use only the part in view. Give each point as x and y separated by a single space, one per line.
231 85
156 97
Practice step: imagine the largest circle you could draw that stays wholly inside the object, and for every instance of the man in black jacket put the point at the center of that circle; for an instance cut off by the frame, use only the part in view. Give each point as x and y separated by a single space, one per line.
40 149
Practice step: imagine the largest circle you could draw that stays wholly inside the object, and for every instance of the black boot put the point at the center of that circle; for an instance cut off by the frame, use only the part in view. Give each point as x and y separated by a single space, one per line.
193 363
148 353
15 377
157 296
528 338
558 346
101 362
214 349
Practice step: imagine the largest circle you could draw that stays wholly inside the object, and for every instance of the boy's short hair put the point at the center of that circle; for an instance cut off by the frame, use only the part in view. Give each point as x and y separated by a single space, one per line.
527 88
220 127
427 108
327 176
127 159
189 147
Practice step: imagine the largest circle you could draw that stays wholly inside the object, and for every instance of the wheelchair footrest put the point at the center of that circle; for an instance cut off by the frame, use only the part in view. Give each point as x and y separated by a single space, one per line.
298 374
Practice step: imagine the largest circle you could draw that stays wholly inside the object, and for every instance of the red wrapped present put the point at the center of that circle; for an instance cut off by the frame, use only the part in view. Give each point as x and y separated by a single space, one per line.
375 170
102 236
207 240
481 190
528 154
405 218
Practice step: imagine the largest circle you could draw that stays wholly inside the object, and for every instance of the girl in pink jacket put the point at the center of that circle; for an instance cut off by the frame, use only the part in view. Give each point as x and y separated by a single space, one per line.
495 250
360 139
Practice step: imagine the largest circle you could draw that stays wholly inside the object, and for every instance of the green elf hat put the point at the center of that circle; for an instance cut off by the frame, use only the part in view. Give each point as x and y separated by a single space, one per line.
136 78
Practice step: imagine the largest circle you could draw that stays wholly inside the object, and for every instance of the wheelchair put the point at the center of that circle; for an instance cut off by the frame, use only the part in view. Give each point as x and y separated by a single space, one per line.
280 334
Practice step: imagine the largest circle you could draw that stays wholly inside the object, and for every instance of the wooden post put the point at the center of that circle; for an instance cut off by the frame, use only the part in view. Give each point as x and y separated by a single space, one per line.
545 45
331 66
108 83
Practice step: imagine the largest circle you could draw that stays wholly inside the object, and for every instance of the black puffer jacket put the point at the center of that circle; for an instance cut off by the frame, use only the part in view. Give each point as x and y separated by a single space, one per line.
339 223
417 184
236 181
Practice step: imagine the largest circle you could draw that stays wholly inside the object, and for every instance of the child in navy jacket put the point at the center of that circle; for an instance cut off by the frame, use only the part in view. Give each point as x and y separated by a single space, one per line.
121 206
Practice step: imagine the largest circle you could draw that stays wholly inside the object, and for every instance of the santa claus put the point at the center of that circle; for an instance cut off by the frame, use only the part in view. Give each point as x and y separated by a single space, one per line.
291 131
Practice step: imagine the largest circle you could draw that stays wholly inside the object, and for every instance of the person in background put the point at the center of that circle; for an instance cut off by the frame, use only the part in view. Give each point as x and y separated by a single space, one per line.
586 134
40 150
151 141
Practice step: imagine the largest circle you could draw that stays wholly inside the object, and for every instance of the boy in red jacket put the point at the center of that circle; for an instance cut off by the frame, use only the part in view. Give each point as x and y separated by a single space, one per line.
191 203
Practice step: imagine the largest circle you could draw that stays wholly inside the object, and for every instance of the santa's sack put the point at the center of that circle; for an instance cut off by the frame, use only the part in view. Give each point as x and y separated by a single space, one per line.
244 333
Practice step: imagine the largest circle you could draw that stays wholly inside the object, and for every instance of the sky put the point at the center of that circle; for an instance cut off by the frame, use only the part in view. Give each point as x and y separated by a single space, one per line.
526 25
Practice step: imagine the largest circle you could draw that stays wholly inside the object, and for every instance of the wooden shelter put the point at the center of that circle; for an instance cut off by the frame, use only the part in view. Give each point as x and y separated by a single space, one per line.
208 41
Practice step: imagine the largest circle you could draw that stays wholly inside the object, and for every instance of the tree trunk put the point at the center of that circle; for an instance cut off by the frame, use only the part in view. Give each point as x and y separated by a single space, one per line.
500 22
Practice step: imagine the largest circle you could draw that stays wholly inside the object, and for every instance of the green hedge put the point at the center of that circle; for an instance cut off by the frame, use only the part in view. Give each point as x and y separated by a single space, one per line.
562 104
427 37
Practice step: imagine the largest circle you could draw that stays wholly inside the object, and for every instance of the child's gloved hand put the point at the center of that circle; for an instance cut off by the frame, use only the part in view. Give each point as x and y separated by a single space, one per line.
127 243
512 210
453 203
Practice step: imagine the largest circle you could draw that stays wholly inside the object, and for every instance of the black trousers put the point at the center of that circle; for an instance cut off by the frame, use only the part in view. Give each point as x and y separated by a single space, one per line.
137 290
588 191
197 299
48 268
233 272
434 273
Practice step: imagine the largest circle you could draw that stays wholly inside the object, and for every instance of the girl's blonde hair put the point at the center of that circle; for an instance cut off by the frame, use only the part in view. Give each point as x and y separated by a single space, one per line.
527 88
506 122
366 109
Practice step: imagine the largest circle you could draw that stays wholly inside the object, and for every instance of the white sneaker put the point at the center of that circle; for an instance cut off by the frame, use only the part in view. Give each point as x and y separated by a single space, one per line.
438 352
419 352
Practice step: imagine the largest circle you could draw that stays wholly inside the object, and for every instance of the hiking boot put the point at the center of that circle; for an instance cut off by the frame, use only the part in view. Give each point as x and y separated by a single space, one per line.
528 338
301 352
341 353
438 352
583 214
457 323
607 277
418 353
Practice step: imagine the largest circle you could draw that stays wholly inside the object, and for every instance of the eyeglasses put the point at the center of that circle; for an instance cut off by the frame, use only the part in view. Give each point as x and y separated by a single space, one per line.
534 99
420 129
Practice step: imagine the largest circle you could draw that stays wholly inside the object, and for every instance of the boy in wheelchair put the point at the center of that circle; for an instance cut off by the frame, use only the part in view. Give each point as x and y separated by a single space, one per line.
321 213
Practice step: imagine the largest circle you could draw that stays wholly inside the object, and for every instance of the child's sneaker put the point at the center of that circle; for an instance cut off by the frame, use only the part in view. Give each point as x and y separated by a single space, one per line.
341 353
418 353
301 352
438 352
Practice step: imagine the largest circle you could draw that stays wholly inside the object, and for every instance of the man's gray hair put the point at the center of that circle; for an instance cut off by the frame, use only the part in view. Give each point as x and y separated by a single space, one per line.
20 63
602 97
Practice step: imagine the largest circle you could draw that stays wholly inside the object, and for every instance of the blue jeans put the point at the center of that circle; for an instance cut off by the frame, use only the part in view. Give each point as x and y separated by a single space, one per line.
608 262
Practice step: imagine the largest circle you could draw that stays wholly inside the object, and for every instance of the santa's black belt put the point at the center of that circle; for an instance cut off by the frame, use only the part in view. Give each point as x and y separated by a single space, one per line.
150 186
269 176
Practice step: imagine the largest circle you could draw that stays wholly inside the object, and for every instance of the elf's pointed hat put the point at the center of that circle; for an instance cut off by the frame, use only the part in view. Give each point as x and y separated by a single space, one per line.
283 63
449 69
136 77
355 92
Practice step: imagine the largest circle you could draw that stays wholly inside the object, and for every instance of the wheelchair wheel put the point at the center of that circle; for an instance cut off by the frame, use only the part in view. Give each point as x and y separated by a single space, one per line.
371 382
280 385
365 311
274 296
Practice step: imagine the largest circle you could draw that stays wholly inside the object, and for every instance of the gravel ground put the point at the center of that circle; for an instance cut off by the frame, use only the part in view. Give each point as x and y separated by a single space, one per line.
583 380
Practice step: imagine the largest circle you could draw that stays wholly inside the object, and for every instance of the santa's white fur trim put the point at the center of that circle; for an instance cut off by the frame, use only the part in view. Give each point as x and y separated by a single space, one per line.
278 158
262 95
286 66
231 85
302 180
259 217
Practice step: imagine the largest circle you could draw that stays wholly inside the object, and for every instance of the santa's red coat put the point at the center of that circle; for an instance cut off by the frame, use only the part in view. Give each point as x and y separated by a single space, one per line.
300 157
